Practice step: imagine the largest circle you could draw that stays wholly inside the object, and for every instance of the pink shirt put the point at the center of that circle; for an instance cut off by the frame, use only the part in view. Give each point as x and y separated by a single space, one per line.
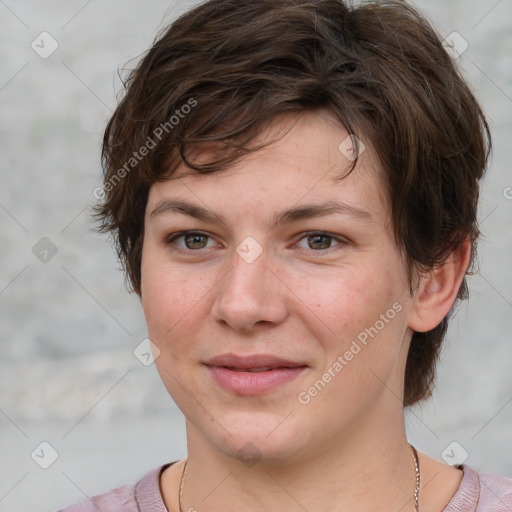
478 492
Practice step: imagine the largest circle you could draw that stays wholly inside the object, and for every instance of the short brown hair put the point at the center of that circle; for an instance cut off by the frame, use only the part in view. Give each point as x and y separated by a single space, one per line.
227 68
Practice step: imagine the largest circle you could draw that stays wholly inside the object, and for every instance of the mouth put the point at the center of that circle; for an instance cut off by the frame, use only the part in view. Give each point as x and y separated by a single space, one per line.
253 375
253 370
255 362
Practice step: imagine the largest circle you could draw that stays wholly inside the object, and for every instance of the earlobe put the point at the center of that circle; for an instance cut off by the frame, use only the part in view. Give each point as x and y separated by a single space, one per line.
438 290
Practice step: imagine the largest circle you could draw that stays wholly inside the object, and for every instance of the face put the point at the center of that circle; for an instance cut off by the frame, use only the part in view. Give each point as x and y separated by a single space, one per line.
277 296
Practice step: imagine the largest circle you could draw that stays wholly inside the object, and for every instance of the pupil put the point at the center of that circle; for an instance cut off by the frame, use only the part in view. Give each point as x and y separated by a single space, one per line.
194 241
317 239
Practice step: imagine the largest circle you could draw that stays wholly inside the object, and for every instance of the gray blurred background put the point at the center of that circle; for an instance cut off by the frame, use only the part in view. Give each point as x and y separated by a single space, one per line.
68 328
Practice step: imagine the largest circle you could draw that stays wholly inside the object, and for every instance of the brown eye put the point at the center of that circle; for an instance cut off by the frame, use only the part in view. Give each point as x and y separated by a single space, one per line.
190 241
195 241
319 242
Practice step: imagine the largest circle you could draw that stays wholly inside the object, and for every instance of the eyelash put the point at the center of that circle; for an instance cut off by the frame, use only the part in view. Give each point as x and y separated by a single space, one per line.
171 239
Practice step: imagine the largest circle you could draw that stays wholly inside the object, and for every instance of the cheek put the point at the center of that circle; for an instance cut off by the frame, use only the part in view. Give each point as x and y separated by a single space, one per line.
171 303
360 316
347 301
172 300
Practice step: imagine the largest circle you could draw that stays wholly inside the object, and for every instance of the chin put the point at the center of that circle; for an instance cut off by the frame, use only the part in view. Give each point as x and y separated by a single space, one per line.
259 438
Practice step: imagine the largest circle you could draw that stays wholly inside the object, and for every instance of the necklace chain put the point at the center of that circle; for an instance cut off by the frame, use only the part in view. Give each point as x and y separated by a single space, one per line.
418 479
181 484
416 488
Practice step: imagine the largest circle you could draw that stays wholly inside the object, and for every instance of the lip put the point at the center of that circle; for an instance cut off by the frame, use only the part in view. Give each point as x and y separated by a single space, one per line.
252 361
231 373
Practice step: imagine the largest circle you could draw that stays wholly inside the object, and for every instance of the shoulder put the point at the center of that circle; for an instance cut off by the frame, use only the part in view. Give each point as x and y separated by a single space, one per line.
139 497
495 493
481 492
121 498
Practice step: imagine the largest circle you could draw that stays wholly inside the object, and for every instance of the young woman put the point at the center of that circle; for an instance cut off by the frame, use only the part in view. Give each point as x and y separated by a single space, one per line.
293 190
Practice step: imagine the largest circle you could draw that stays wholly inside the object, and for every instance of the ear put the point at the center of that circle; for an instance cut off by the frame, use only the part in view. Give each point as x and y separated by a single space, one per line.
438 290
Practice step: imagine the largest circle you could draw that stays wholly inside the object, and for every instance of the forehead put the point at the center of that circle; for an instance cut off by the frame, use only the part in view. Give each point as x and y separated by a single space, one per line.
306 158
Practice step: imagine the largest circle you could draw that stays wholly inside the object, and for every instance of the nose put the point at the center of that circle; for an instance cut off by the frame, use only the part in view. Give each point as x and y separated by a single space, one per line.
250 295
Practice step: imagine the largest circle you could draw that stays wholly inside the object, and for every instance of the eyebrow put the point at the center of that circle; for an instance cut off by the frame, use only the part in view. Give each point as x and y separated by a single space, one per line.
303 212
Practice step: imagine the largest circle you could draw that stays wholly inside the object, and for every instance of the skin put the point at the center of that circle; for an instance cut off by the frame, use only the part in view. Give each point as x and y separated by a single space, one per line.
301 300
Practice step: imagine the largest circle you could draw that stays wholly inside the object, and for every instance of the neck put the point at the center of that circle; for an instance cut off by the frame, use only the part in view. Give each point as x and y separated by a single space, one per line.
368 468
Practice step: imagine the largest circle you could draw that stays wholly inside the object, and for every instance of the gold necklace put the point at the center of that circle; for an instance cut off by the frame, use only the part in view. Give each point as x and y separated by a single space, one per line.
418 478
181 484
416 489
